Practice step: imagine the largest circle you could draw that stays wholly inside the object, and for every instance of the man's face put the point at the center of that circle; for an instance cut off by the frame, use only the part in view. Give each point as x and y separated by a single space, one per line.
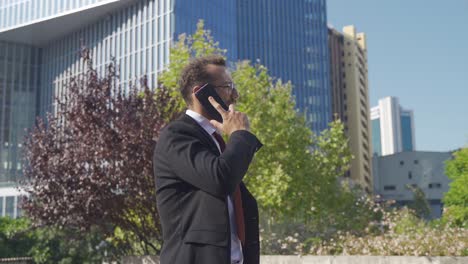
223 84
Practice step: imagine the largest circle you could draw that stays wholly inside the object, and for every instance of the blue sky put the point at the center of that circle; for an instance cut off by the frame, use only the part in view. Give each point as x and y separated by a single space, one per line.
418 52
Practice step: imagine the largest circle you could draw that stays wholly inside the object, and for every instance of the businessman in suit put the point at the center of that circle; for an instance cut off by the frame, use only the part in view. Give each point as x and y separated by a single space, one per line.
207 214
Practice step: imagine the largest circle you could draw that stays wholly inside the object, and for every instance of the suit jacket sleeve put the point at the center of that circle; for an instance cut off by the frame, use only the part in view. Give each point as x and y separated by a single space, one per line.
195 163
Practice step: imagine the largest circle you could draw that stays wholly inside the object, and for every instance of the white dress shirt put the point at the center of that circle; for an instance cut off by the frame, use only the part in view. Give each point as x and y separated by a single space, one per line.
236 247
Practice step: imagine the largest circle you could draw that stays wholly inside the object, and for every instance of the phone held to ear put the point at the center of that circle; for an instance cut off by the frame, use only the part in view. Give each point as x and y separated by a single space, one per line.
203 94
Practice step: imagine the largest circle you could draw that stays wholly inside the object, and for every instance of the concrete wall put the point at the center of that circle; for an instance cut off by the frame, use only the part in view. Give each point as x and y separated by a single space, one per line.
330 260
424 169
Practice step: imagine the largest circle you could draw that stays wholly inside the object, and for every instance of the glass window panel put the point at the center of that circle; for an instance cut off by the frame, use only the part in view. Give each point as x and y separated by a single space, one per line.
19 212
159 28
10 206
1 206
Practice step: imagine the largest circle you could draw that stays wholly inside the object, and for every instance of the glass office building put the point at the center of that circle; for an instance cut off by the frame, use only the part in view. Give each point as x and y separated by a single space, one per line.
40 41
219 17
39 45
376 138
392 128
19 87
407 131
291 39
14 13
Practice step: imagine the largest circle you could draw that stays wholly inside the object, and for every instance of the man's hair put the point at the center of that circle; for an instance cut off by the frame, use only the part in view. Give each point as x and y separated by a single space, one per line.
195 73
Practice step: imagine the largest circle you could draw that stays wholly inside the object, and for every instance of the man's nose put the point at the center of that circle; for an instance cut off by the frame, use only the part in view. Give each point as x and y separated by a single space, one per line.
235 94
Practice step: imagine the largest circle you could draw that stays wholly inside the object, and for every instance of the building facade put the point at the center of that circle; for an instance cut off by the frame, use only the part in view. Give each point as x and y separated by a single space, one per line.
337 72
290 39
22 12
40 41
424 170
350 93
35 63
392 128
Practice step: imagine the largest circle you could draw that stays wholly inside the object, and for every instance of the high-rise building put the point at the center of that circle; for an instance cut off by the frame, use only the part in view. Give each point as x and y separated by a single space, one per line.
392 128
290 39
39 45
350 97
40 41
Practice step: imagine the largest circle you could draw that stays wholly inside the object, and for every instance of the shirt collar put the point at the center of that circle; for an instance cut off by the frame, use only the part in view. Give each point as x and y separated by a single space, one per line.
202 121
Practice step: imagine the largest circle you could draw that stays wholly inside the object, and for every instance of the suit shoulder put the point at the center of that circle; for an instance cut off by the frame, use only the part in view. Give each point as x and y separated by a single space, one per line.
175 127
177 130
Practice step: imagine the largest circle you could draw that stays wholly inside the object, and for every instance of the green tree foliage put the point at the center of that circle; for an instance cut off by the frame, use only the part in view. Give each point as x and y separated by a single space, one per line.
456 199
19 238
296 171
14 242
280 178
419 204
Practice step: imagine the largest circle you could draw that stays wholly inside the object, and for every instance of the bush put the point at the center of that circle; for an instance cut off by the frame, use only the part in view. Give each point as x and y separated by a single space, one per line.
389 232
19 238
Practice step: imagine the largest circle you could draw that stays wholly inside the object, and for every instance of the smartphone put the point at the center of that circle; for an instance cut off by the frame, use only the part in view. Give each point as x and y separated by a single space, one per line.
203 94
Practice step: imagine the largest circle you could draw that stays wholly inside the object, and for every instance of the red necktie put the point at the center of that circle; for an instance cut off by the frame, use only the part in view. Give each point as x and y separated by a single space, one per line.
239 211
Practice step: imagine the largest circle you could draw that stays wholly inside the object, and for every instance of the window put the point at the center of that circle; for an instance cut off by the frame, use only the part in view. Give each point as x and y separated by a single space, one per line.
1 206
410 175
434 185
402 163
416 162
10 206
389 187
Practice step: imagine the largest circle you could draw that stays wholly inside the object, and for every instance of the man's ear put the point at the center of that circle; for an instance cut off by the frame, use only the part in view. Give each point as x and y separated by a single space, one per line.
196 88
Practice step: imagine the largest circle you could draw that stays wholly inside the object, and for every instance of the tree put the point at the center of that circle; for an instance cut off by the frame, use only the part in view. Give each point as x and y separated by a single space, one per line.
13 240
19 238
419 204
456 199
90 165
296 170
280 177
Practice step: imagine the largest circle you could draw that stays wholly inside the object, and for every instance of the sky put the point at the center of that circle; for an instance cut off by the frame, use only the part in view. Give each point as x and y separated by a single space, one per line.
418 52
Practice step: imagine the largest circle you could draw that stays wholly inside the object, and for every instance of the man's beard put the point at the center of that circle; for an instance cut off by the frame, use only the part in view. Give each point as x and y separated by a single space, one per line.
230 102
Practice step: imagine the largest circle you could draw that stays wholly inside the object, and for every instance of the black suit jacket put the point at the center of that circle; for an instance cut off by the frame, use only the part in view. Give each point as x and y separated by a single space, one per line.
192 183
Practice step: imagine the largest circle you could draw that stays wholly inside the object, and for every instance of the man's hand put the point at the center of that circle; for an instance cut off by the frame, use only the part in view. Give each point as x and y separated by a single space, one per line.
232 120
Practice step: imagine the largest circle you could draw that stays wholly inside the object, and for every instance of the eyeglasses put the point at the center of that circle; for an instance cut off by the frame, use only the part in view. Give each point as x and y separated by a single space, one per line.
230 85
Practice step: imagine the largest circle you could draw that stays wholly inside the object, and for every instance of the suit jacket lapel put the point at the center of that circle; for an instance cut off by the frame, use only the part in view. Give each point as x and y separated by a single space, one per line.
200 132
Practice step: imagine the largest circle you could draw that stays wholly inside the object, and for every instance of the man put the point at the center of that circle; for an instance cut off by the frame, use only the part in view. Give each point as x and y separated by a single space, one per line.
207 214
